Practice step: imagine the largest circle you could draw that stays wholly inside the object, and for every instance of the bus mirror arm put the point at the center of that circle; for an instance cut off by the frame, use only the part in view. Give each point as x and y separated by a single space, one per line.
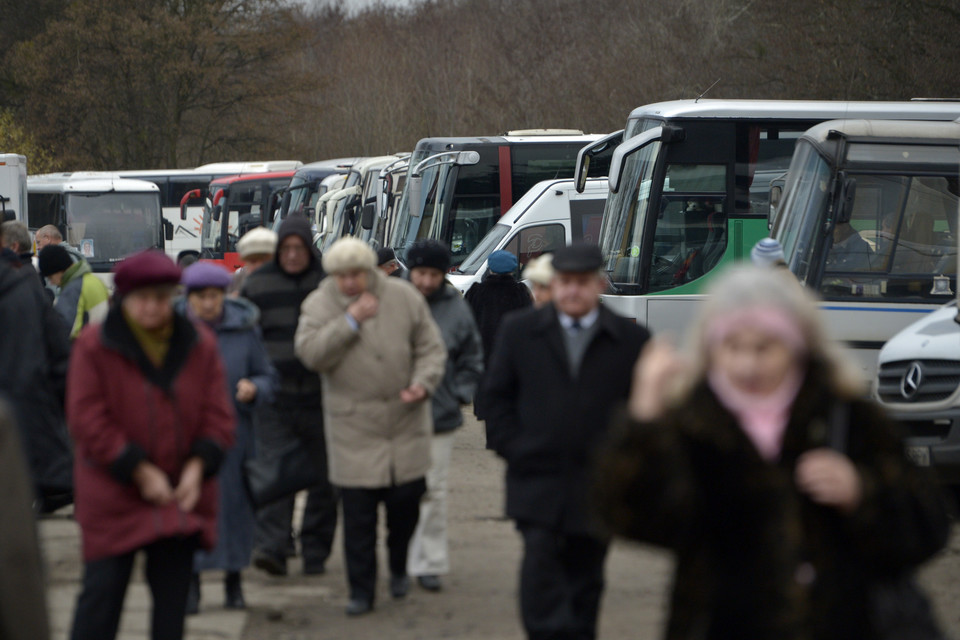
187 197
848 192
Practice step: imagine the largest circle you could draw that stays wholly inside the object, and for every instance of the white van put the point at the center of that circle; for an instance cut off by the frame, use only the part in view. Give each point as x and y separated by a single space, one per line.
918 382
550 215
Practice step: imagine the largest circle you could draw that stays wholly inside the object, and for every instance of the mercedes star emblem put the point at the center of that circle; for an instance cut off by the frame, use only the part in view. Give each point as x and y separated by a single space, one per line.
911 381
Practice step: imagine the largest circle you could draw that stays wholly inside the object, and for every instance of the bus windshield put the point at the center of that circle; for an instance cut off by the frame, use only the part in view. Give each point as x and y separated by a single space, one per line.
898 234
433 196
241 209
625 216
107 227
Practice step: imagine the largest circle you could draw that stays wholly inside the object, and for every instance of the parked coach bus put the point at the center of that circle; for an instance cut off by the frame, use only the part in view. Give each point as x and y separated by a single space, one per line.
13 187
306 186
458 188
104 216
690 192
232 206
174 184
868 219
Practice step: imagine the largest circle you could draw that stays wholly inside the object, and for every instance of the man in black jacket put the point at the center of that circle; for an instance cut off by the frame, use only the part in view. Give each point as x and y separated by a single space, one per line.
555 375
278 288
34 354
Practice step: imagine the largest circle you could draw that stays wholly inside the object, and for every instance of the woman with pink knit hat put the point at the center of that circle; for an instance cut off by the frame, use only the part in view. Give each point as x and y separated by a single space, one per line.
784 495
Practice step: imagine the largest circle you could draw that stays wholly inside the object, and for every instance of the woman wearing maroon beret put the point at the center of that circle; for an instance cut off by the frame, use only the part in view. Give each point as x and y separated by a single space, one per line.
150 420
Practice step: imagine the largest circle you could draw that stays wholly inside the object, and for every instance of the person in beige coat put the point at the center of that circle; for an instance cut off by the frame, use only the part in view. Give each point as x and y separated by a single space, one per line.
380 356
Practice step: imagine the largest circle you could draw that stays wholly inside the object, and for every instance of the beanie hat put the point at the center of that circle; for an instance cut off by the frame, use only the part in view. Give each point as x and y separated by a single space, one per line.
257 241
385 255
201 275
767 253
52 259
502 262
347 254
428 253
144 269
540 270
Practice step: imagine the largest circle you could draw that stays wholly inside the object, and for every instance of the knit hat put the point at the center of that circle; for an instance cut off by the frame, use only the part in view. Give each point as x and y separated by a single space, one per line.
257 241
52 259
349 253
385 255
428 253
502 262
767 253
144 269
205 274
540 270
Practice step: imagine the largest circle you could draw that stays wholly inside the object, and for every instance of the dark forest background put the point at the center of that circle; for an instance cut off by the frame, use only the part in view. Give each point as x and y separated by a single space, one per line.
137 84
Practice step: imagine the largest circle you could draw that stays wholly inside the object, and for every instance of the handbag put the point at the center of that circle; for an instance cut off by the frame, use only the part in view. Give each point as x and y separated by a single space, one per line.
896 606
290 469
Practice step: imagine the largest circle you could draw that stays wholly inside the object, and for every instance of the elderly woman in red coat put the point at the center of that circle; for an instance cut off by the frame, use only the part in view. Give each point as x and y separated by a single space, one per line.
151 422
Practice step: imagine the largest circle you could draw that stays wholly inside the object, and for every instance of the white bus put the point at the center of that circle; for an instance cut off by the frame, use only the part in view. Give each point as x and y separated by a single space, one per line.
102 215
868 219
690 192
174 184
13 187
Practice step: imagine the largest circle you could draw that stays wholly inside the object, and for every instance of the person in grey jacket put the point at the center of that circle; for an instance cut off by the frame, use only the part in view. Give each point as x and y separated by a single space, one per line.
428 262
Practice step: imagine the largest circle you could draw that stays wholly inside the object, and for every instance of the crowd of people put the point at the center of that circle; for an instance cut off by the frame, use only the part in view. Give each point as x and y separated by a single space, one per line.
752 455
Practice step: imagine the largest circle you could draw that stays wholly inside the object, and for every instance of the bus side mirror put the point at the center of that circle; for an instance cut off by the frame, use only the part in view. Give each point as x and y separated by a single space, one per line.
9 215
187 197
216 212
848 193
167 230
366 215
415 190
273 207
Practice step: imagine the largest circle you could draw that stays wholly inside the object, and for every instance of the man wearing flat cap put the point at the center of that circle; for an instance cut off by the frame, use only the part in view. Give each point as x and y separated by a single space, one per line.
380 356
555 375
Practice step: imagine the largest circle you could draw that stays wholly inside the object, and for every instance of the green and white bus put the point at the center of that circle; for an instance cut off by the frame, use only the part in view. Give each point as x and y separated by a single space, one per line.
690 192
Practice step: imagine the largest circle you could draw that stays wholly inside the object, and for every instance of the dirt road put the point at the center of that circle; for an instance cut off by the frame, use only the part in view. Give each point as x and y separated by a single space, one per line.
479 601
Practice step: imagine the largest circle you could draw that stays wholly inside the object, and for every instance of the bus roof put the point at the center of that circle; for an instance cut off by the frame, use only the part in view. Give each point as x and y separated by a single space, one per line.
251 177
237 168
799 109
827 136
458 143
86 182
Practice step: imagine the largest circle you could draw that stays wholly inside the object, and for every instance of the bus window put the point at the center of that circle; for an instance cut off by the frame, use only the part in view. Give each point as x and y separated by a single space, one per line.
691 233
586 216
472 218
44 209
763 153
531 242
901 234
533 164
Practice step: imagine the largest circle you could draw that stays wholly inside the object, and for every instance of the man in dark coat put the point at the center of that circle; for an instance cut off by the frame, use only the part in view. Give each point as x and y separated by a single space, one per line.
34 355
278 288
555 375
490 300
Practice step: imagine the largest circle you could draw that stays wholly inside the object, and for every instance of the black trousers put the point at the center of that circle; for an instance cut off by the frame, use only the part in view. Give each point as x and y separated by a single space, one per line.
276 426
561 582
168 569
402 503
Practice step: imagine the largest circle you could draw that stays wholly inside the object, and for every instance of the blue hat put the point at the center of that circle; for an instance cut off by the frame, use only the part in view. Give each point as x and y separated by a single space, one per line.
502 262
767 253
201 275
